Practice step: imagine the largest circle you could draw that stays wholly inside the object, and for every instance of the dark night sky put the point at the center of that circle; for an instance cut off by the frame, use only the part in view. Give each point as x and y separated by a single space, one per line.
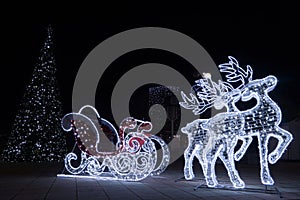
262 36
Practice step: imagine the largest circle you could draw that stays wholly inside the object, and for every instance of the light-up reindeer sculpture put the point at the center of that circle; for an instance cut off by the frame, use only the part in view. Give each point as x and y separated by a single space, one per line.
202 140
223 130
263 119
134 157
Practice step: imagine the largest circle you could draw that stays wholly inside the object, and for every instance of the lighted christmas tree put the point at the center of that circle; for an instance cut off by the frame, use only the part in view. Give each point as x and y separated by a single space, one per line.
36 133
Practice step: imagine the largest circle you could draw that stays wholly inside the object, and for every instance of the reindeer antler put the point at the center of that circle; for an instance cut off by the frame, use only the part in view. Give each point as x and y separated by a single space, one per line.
208 92
211 93
235 73
192 103
209 89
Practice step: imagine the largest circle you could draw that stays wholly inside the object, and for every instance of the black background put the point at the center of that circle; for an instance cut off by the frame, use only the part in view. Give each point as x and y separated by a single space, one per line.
263 36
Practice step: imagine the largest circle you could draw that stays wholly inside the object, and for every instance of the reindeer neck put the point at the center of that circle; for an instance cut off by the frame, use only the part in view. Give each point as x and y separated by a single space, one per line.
265 115
265 101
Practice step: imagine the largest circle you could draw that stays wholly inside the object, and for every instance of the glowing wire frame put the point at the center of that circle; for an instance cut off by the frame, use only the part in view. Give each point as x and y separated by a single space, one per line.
263 119
217 136
134 156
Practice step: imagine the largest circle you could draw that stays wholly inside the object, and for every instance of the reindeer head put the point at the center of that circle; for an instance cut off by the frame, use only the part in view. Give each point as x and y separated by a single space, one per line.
259 86
250 88
237 75
227 98
232 96
211 94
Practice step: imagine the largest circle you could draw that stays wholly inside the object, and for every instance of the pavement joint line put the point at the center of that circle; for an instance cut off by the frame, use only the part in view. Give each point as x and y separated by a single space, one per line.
105 192
150 186
136 194
170 185
51 186
76 185
23 188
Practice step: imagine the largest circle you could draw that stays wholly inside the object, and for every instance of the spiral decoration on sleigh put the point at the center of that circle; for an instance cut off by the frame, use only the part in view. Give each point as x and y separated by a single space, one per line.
132 156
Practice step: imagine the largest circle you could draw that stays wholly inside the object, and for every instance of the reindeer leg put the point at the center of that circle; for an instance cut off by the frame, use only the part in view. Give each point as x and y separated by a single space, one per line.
265 176
189 155
226 155
210 162
284 139
199 155
242 150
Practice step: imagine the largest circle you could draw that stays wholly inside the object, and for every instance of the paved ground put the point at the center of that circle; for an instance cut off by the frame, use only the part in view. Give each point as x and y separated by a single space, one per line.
39 181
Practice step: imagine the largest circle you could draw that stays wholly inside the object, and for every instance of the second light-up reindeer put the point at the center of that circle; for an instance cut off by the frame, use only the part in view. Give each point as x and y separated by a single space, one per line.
202 141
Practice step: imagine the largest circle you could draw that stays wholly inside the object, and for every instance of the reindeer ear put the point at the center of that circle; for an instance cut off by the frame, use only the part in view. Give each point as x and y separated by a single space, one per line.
249 72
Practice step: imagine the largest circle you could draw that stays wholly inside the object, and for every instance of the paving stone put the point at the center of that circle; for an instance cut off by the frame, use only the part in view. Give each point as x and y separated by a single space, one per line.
21 181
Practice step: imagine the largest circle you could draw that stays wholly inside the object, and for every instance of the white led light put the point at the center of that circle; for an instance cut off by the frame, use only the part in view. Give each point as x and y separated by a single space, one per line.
217 136
133 159
36 134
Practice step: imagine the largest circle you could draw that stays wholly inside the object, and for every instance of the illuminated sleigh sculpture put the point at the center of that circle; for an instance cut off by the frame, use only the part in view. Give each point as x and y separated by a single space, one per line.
134 156
218 136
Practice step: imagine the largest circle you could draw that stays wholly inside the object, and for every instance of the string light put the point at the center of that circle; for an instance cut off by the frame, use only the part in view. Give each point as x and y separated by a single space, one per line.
36 133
